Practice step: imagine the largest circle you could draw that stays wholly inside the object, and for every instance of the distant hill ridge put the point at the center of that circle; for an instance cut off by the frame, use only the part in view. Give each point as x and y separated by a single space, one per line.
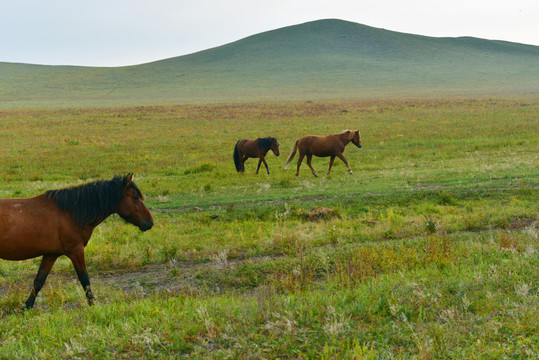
315 60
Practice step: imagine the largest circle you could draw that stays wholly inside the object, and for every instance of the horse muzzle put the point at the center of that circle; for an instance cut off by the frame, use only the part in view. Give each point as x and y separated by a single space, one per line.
146 225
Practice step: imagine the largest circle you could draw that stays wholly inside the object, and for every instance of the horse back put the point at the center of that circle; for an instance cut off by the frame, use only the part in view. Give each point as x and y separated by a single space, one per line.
321 146
248 147
30 228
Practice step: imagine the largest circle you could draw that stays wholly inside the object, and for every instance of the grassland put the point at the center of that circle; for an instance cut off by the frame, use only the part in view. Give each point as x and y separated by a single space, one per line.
430 250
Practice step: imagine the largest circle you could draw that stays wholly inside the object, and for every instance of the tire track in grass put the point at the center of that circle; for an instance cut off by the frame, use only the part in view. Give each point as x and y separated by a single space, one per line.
176 277
314 198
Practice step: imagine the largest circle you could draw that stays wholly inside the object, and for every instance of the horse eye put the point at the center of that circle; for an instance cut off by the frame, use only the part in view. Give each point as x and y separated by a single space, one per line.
135 198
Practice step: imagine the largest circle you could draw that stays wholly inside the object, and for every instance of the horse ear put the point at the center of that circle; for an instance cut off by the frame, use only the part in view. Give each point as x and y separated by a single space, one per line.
128 179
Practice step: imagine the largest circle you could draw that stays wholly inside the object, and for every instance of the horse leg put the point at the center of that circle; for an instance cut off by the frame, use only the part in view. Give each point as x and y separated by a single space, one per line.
77 258
258 167
331 164
309 158
300 159
266 164
341 156
44 268
243 160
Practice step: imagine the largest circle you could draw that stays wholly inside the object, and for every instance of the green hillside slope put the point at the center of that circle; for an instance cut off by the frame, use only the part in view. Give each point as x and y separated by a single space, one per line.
320 59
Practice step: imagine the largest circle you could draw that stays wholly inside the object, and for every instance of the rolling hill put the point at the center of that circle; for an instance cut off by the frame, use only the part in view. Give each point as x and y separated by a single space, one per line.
314 60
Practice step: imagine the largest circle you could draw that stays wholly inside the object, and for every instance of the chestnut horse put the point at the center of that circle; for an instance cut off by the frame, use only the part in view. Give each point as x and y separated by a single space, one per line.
60 222
258 148
322 146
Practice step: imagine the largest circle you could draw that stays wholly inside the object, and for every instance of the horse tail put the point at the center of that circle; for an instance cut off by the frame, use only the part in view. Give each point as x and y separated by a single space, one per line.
237 157
292 154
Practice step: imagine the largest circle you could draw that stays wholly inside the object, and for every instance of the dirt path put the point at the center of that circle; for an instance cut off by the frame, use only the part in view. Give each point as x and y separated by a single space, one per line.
177 277
173 277
313 198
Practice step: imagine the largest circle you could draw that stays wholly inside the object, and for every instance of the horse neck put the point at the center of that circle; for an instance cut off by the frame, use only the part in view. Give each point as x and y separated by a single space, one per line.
84 215
344 138
264 147
94 223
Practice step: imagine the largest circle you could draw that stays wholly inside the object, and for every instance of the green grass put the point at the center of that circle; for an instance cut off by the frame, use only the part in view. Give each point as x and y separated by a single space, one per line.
326 59
430 250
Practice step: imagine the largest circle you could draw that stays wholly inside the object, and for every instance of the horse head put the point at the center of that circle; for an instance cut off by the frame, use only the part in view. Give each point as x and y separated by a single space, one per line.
355 137
275 146
131 207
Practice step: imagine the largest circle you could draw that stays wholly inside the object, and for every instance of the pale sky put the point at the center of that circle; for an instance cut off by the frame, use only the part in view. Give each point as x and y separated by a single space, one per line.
128 32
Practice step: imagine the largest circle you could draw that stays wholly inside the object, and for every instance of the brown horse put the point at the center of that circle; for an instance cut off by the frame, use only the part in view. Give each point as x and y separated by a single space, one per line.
60 222
258 148
322 146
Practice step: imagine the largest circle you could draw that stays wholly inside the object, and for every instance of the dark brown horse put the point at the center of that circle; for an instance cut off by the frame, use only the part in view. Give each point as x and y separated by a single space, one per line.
246 148
322 146
60 222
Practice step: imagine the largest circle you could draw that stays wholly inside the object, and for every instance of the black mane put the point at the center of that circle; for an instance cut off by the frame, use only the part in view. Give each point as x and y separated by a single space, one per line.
265 143
91 203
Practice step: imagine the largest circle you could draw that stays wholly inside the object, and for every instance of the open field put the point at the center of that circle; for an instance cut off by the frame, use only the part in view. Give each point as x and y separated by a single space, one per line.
431 250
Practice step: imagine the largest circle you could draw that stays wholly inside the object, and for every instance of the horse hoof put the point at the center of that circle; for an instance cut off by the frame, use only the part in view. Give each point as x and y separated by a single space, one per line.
351 173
